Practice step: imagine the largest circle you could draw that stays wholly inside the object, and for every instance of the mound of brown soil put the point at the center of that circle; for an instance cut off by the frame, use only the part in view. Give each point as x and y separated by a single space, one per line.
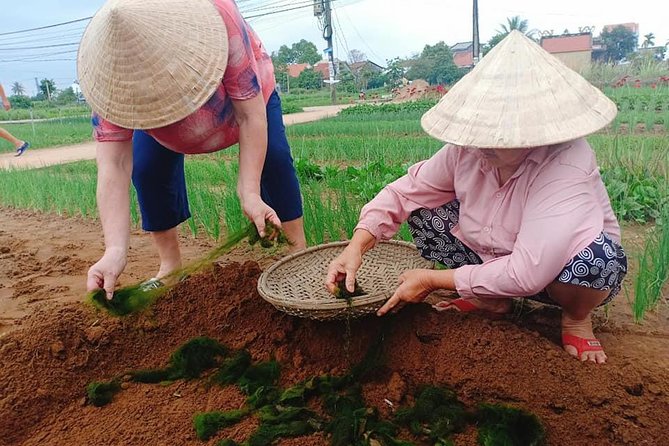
45 365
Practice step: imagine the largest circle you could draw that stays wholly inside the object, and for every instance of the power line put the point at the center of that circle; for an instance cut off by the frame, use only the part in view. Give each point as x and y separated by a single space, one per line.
46 27
39 47
360 36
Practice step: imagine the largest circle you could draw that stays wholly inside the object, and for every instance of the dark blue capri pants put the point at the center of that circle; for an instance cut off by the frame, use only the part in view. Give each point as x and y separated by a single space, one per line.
158 176
602 265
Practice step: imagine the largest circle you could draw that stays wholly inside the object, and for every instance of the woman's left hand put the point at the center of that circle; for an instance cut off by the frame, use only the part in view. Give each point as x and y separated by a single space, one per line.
259 212
415 285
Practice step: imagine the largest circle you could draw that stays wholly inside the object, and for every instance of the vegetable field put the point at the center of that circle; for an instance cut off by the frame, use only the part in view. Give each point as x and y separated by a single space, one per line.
259 377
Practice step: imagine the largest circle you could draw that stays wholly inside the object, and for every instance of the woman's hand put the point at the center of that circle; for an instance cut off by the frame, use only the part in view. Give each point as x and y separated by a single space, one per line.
415 285
259 212
344 267
104 274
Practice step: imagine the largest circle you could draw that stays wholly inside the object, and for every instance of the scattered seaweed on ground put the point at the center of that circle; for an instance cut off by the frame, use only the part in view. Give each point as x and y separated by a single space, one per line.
101 393
435 416
501 425
187 362
207 424
232 368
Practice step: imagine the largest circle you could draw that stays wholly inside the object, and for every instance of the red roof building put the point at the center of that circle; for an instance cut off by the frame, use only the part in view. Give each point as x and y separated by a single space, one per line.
575 50
295 69
463 54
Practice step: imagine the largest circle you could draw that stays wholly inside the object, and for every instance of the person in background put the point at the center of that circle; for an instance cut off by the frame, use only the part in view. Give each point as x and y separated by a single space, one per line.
19 146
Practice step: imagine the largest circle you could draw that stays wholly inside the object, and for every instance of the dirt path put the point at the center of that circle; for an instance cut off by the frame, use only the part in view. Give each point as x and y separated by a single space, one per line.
33 159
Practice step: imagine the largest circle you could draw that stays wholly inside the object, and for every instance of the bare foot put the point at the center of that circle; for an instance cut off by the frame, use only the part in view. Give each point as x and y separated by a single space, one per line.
583 329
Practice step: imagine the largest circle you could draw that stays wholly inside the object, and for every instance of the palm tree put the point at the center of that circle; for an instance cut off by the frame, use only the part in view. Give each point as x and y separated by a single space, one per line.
18 89
649 40
512 23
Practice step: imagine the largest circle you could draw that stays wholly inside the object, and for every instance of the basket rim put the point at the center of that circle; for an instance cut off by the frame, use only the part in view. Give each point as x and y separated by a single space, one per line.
337 304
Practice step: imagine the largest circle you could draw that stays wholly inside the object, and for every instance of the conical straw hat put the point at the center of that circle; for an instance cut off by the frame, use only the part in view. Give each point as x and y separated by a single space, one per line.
145 64
518 96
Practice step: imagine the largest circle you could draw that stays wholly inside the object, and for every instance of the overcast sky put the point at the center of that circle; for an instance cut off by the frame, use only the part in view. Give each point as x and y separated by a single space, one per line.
382 29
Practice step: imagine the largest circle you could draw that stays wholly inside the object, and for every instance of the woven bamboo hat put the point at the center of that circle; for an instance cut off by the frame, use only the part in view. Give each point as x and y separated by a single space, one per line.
148 63
518 96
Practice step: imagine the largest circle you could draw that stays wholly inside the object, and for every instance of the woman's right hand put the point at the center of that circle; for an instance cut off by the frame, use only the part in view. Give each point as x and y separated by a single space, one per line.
105 273
344 267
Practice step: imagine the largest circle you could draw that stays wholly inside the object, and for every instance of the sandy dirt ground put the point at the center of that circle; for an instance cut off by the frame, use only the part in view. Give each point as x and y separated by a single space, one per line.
67 154
52 345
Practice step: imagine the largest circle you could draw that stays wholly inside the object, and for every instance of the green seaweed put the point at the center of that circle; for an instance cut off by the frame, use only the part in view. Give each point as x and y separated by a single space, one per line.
102 393
207 424
232 368
187 362
135 298
341 292
128 300
267 433
437 414
261 375
501 425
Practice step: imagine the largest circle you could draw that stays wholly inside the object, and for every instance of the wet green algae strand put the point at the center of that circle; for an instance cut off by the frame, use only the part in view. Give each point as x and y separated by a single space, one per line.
436 415
135 298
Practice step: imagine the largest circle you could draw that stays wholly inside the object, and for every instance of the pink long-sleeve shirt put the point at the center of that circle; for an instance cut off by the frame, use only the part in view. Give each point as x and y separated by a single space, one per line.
525 231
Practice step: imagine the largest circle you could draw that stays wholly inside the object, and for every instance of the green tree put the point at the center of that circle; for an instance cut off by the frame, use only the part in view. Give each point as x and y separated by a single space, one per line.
435 65
299 52
619 43
309 79
66 96
512 23
395 73
648 40
283 56
17 89
48 88
20 101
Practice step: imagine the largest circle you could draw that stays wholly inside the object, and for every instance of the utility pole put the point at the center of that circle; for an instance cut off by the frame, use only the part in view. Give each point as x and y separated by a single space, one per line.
327 35
475 41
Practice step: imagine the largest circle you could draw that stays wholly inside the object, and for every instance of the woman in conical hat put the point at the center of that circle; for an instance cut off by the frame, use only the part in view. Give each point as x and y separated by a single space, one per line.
513 204
171 77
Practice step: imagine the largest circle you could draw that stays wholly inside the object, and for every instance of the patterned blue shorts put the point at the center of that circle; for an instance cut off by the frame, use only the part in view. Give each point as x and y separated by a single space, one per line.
602 265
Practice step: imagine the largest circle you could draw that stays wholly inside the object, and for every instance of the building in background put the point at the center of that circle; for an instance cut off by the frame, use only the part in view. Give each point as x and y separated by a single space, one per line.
574 50
463 54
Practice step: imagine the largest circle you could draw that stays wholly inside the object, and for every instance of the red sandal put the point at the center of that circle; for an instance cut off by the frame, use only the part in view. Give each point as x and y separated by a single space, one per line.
582 345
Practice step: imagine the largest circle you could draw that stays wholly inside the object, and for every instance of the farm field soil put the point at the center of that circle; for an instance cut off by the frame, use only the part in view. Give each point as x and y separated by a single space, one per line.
52 346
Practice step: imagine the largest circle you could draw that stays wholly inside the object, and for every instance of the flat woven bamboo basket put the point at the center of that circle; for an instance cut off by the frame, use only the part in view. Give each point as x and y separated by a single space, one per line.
295 284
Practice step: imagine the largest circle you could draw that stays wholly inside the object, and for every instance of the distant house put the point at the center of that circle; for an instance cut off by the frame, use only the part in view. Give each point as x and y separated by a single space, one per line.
463 54
366 65
574 50
295 69
362 72
323 68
